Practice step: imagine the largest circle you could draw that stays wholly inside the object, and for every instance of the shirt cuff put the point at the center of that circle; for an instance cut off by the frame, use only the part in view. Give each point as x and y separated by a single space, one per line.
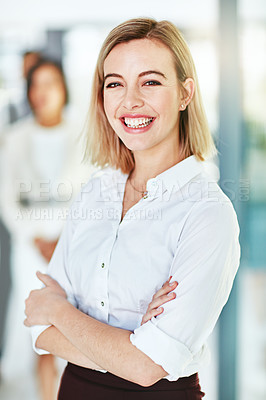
36 330
165 351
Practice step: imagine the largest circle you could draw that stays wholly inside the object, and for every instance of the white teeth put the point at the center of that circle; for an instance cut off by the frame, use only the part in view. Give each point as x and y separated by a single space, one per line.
137 122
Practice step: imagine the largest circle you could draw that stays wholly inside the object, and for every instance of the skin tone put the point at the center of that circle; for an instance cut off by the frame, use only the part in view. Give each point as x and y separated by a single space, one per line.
45 247
47 95
141 87
161 297
137 91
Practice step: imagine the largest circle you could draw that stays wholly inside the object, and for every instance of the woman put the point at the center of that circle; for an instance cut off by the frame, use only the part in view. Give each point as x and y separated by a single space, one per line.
41 171
151 214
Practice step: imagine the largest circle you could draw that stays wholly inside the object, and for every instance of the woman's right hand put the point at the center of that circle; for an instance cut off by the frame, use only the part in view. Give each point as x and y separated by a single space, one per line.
162 296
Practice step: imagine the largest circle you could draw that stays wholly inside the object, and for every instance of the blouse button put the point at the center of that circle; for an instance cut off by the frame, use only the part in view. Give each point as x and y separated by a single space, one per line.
102 303
102 265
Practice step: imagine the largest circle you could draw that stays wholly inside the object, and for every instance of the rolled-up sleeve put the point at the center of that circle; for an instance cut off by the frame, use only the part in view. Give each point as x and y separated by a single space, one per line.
204 265
58 270
152 341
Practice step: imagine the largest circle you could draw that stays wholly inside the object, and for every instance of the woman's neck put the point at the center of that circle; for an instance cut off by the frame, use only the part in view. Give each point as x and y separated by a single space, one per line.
149 164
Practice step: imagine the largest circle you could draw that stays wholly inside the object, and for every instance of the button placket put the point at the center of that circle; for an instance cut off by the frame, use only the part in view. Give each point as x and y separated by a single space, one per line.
102 267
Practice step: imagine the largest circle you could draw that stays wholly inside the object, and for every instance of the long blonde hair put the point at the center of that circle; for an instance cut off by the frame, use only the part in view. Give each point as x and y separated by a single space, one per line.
103 146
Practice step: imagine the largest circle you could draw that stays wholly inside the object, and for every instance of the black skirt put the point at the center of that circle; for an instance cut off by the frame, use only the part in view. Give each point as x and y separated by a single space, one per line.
80 383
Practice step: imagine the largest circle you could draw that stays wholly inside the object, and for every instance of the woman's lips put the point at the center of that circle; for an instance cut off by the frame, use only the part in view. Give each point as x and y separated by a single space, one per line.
137 124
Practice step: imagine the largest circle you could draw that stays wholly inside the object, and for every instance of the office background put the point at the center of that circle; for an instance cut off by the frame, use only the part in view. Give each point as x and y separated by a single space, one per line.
227 39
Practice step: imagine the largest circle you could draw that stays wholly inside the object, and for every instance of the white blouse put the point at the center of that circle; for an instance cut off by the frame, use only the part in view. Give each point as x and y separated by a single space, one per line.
185 227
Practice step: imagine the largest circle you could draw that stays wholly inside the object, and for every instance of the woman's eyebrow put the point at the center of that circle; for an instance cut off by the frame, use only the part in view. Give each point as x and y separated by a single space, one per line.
152 72
113 75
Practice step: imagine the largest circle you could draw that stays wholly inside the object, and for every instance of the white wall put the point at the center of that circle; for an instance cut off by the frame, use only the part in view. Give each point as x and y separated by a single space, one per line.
61 13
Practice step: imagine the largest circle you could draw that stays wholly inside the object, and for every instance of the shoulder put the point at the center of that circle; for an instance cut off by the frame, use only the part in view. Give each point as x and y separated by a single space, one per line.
18 131
216 208
214 215
104 176
19 126
100 181
207 203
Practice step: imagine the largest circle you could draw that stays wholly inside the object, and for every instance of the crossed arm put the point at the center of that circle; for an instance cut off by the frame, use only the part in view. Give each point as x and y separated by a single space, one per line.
87 342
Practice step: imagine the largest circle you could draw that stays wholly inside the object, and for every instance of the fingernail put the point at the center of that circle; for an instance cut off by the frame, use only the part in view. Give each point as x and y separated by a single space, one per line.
172 283
170 277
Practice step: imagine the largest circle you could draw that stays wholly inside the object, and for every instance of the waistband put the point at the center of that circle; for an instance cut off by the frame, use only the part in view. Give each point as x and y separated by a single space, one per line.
115 382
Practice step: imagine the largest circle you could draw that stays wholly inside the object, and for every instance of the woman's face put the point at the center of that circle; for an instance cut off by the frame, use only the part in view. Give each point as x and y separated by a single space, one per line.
47 92
141 94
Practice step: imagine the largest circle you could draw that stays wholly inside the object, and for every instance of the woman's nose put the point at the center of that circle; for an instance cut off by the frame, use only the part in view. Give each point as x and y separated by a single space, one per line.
133 98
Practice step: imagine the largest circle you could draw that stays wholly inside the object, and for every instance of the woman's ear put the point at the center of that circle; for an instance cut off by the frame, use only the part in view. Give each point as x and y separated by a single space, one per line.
188 92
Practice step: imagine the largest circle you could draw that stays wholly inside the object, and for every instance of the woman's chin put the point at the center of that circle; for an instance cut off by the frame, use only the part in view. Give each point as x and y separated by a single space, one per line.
135 144
136 147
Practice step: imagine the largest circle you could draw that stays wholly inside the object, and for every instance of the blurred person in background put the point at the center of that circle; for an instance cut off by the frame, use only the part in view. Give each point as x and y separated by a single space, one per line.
41 171
15 112
22 108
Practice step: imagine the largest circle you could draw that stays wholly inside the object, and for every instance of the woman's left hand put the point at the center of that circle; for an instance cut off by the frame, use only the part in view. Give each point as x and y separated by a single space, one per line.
162 296
41 303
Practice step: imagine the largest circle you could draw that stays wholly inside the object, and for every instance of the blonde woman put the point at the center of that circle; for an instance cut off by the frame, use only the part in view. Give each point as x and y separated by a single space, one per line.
151 215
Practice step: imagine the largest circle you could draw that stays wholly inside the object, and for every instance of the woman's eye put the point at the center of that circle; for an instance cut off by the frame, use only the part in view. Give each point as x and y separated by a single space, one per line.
112 85
152 83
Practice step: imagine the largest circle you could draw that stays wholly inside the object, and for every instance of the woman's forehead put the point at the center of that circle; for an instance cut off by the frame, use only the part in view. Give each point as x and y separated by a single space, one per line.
138 54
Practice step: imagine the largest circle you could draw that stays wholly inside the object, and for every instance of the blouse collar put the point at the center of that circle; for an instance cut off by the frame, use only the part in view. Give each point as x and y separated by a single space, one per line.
173 179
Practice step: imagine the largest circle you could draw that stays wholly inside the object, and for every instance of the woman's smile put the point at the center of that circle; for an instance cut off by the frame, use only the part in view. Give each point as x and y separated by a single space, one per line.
136 123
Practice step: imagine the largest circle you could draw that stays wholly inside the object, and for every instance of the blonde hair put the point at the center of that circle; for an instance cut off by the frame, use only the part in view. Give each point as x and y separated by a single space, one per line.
103 146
